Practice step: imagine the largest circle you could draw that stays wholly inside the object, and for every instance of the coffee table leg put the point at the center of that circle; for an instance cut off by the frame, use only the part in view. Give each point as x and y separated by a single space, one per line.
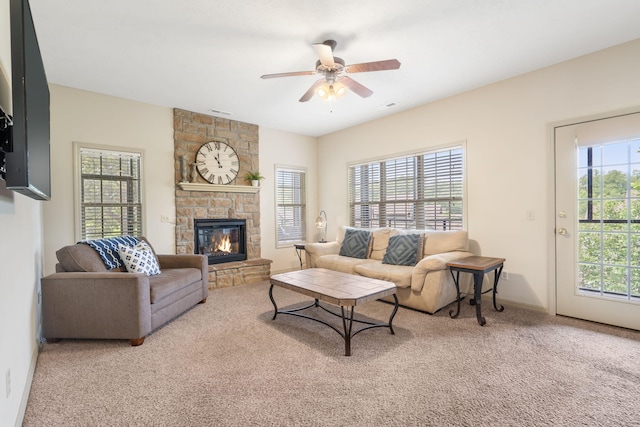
275 307
395 310
347 324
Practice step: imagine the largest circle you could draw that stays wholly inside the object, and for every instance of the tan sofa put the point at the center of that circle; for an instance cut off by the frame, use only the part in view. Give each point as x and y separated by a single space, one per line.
84 299
428 286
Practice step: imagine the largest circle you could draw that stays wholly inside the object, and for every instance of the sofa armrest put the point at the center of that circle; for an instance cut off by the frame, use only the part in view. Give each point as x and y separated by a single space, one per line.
433 263
96 305
184 261
315 250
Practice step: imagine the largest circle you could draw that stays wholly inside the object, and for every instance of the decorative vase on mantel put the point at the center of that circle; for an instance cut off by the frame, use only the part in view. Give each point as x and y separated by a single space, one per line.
255 182
183 168
194 173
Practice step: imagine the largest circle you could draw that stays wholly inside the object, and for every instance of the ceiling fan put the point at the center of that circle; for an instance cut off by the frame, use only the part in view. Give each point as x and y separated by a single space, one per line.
334 83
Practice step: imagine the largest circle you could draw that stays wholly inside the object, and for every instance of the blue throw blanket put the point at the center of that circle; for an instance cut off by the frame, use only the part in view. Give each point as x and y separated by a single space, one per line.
108 249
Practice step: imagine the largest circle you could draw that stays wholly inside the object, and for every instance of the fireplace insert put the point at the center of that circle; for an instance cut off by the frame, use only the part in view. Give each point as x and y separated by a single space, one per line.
222 240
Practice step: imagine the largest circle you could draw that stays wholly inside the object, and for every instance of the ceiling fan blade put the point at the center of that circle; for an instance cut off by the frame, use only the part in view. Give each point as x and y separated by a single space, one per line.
389 64
325 53
312 90
356 87
294 73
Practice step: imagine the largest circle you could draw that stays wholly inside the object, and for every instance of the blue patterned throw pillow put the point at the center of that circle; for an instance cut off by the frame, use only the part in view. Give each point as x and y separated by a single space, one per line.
107 248
402 250
355 243
139 259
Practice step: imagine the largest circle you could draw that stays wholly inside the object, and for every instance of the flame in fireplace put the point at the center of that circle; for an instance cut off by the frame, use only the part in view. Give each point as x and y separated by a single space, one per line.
224 245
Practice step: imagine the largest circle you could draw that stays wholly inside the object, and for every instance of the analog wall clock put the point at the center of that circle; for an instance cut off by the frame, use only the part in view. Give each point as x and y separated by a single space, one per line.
217 162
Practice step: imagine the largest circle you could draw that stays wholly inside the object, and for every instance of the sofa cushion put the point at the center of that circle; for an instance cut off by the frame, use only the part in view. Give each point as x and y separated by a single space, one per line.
402 249
398 274
139 259
355 243
172 280
340 263
379 242
76 258
445 241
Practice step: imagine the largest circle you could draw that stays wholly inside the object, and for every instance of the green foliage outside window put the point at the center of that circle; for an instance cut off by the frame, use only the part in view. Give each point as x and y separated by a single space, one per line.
609 220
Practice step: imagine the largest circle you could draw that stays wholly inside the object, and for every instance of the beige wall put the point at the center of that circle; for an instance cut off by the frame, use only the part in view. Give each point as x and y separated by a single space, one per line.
21 265
93 118
88 117
285 149
509 155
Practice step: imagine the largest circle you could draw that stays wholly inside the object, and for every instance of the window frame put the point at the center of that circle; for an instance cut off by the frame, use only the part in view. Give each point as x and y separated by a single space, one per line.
595 192
461 145
77 182
305 205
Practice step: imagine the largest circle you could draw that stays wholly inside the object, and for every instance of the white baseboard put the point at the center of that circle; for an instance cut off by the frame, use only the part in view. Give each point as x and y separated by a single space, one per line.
538 308
27 386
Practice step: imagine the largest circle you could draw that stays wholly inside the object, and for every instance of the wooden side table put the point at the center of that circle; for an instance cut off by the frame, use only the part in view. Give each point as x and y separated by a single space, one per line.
478 266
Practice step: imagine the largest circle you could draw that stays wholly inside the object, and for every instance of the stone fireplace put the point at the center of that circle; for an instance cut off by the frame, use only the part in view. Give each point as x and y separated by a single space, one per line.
199 200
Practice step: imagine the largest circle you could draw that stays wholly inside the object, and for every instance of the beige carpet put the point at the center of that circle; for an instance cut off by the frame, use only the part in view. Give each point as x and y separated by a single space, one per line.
226 363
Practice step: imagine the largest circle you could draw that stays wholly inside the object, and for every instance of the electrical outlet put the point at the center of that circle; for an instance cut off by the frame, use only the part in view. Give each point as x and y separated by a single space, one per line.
8 382
504 275
164 218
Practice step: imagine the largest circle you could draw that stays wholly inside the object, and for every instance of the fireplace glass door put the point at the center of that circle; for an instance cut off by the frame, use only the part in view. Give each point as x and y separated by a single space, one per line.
222 240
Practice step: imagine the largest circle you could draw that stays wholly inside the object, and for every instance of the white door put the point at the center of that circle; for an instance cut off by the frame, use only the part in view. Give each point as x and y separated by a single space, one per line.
598 220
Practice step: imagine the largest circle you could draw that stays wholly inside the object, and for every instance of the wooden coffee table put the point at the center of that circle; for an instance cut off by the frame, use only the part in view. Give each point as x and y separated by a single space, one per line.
340 289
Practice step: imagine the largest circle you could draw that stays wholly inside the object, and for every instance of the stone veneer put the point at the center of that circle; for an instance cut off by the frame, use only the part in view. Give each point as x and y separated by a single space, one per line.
191 130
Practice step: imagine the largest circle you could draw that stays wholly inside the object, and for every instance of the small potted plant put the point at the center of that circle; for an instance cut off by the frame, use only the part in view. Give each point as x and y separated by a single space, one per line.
254 178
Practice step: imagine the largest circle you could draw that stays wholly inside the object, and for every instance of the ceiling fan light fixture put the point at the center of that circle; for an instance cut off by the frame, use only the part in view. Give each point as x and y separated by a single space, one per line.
323 91
340 90
331 91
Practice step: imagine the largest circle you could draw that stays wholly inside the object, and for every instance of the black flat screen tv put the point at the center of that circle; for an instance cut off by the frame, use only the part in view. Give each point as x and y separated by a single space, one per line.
28 165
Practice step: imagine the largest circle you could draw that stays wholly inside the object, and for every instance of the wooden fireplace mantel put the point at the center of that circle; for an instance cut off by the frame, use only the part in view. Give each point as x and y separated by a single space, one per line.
190 186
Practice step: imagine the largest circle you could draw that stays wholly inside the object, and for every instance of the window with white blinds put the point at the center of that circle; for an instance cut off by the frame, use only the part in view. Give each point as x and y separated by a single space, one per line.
291 206
421 191
110 193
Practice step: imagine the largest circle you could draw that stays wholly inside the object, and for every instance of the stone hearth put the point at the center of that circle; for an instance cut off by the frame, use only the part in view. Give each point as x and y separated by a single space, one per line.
191 130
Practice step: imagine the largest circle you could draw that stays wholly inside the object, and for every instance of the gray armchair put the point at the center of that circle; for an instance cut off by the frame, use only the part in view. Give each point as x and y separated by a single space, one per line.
85 300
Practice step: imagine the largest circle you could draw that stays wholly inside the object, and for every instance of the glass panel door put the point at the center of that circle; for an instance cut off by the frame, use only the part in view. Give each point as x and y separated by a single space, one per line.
598 221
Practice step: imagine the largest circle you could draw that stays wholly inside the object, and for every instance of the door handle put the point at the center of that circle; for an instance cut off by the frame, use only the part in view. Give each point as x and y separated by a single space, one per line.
562 231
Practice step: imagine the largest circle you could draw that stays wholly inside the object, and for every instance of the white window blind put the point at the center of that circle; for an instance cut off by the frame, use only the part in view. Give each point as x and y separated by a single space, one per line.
291 206
110 193
421 191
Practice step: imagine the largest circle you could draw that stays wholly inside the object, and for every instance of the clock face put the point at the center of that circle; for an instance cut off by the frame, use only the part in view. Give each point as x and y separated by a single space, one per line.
217 162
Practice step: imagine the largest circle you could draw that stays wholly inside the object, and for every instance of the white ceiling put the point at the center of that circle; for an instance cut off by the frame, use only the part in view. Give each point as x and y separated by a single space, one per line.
200 55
